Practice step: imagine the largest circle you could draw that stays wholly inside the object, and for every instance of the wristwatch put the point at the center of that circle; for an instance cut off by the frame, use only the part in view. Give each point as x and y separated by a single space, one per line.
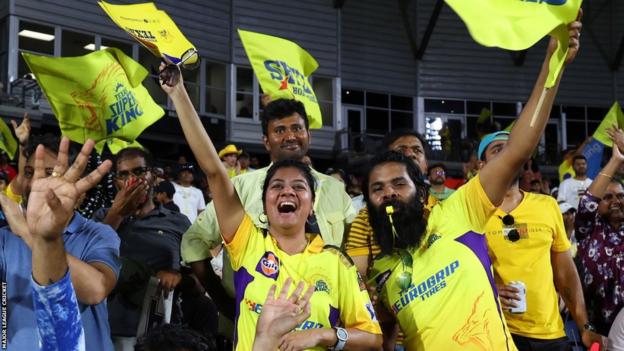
342 336
589 327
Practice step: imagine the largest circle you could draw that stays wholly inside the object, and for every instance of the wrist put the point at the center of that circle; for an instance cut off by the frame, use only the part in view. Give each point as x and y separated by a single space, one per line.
327 337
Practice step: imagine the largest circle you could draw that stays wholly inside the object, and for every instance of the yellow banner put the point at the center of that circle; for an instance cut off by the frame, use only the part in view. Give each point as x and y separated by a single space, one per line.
283 69
154 29
519 24
97 96
8 143
614 117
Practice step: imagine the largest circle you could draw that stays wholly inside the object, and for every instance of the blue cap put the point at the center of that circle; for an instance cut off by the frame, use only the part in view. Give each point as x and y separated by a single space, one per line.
488 139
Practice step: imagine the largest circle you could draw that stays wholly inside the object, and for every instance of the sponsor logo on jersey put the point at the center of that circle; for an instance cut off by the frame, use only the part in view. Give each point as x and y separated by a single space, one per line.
269 265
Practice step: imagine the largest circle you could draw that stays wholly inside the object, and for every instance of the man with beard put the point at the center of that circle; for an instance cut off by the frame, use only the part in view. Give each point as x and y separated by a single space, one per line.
437 177
54 240
286 135
571 189
434 275
150 242
527 242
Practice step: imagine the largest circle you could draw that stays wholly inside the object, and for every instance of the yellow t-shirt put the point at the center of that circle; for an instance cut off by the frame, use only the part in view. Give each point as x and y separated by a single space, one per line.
258 263
540 225
452 303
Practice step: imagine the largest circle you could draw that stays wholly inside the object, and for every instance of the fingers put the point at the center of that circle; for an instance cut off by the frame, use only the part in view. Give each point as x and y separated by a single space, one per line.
39 165
62 156
54 203
93 178
284 292
305 299
271 294
295 295
14 124
77 168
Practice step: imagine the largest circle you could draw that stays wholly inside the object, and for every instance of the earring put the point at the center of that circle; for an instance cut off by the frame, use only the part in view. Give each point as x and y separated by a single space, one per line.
263 218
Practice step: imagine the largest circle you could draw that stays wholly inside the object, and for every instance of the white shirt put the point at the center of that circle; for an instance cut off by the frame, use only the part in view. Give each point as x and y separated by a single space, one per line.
189 199
616 334
570 190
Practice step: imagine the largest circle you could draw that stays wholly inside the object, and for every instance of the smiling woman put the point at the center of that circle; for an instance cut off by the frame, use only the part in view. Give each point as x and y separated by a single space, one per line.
261 258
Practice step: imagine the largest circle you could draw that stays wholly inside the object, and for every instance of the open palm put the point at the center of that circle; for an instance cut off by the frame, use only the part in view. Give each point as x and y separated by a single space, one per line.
52 199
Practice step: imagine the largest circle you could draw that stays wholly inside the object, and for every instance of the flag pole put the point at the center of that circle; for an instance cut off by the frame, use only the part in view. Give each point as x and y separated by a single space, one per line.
540 102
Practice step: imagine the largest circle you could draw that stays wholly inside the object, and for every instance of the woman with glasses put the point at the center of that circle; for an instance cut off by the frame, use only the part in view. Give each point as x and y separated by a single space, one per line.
341 313
600 235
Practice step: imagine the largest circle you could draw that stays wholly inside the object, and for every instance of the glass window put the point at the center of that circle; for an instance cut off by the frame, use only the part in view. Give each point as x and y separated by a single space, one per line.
353 97
76 44
377 121
504 109
244 92
191 82
399 120
4 52
215 89
404 103
475 107
376 100
125 47
36 38
433 126
591 128
555 113
576 132
444 106
324 91
596 113
574 112
151 63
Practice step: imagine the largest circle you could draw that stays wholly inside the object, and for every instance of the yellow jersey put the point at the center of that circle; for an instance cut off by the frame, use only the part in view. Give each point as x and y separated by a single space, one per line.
540 225
340 297
451 303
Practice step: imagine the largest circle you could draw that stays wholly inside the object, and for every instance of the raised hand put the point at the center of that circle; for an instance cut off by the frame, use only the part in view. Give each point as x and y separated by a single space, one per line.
52 200
22 132
574 33
170 77
282 315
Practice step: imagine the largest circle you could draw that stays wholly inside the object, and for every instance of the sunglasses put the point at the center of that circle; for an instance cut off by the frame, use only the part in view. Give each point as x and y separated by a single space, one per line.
137 172
513 235
404 280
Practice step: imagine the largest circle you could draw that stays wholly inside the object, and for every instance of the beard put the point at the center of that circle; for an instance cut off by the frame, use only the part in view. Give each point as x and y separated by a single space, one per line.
409 223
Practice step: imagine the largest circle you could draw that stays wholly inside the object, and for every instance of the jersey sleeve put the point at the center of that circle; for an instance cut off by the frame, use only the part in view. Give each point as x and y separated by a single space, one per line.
561 243
469 204
244 240
202 236
356 309
358 240
104 248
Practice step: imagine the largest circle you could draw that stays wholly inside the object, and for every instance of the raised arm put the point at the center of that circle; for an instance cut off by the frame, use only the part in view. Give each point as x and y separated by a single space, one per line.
228 206
604 177
498 174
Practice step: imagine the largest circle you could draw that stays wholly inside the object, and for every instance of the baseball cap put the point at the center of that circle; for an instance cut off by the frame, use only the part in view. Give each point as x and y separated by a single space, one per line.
488 139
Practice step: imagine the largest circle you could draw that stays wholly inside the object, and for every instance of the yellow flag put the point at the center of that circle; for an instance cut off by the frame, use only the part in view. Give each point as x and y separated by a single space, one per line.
283 69
509 127
8 143
519 24
614 117
97 96
154 29
566 168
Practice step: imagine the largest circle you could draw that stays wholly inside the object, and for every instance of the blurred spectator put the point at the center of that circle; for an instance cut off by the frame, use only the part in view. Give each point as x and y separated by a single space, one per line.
529 174
189 199
437 177
536 186
572 188
4 181
471 168
182 160
243 161
254 162
163 194
338 174
569 214
229 157
6 168
159 173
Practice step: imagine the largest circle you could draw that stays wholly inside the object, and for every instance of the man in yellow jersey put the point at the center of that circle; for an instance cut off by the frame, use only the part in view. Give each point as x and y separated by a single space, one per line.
434 276
527 242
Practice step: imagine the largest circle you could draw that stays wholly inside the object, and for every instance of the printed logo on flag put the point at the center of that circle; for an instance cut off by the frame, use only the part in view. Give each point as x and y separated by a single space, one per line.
269 265
288 77
124 110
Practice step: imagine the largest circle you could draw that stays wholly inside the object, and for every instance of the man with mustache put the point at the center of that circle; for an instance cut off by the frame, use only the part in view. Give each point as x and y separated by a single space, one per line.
434 275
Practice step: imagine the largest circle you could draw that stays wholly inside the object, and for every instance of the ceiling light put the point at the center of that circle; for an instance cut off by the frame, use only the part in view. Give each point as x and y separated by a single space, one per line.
92 47
36 35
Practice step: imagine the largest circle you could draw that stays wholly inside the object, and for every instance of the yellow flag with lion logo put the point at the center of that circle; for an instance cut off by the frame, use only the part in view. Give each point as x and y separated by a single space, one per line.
97 96
283 69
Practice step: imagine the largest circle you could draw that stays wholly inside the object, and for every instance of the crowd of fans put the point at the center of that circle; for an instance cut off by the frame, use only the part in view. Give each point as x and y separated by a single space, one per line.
124 255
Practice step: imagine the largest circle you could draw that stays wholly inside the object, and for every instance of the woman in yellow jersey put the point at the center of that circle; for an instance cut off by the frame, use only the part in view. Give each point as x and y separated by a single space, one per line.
341 315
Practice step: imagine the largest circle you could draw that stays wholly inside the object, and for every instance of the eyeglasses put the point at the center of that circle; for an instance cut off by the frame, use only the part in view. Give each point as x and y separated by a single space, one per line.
610 196
137 172
404 280
513 235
